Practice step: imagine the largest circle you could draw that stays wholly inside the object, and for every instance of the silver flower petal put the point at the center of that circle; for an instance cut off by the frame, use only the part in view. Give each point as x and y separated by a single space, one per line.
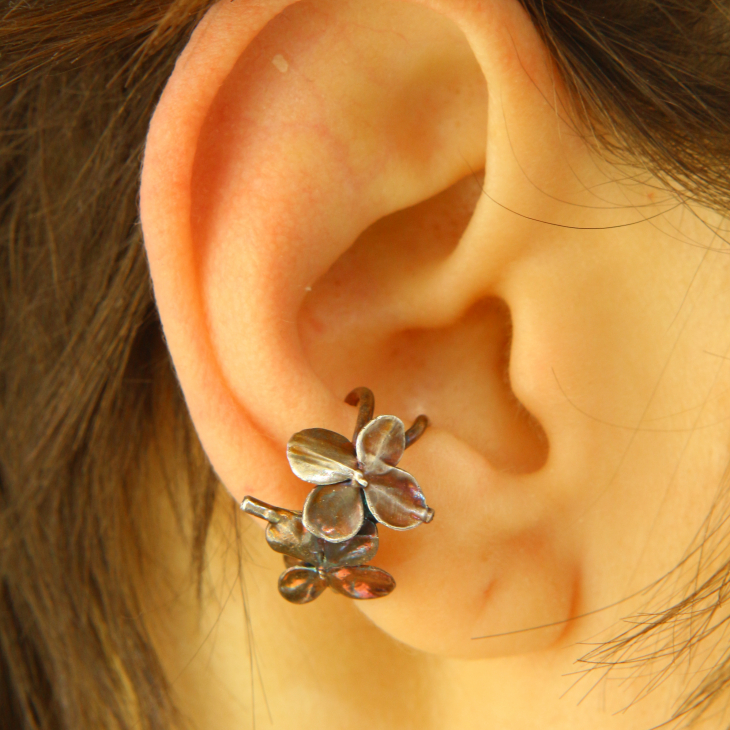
334 512
381 444
288 536
301 585
359 549
396 500
319 456
361 582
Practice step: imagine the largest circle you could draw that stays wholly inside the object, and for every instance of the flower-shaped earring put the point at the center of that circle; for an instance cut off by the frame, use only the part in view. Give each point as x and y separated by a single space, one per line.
358 484
314 564
346 471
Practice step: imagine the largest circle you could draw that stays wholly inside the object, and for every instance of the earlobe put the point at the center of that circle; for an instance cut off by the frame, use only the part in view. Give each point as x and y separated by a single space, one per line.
316 219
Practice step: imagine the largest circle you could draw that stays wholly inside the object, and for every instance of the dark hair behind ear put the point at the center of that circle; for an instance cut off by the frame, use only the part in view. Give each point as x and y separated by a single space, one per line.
651 80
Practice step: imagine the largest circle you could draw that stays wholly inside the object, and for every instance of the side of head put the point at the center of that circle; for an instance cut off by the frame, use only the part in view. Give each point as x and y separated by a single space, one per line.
465 206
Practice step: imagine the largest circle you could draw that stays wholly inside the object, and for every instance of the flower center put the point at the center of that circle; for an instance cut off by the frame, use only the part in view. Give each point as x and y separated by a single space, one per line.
357 476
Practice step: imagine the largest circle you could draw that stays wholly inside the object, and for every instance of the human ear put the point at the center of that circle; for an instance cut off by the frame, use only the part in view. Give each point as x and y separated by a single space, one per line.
340 193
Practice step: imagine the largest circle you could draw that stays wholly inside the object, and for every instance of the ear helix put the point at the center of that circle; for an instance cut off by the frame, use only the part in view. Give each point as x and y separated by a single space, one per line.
358 485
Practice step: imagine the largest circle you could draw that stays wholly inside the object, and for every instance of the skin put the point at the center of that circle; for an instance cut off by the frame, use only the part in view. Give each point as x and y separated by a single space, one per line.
405 203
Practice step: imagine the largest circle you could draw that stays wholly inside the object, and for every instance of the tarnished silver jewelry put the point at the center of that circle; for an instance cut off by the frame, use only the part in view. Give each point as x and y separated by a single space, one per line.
358 485
313 564
358 477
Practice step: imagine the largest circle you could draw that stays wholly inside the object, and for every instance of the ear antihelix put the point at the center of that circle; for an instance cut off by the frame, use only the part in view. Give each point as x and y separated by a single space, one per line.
358 487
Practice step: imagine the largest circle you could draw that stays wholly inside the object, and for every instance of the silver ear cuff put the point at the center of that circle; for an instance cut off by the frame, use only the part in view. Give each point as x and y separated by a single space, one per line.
358 485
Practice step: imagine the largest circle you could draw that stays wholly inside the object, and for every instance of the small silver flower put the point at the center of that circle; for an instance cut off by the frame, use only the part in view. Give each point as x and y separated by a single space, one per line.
346 473
314 564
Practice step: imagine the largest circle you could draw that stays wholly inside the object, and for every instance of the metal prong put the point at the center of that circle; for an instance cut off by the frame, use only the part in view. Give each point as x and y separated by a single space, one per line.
257 508
429 515
364 398
416 430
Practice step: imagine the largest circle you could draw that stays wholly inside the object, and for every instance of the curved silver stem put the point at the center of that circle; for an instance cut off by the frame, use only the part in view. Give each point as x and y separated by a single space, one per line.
416 430
257 508
364 398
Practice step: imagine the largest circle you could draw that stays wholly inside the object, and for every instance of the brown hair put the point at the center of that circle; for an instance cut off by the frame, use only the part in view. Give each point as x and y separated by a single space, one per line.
83 369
